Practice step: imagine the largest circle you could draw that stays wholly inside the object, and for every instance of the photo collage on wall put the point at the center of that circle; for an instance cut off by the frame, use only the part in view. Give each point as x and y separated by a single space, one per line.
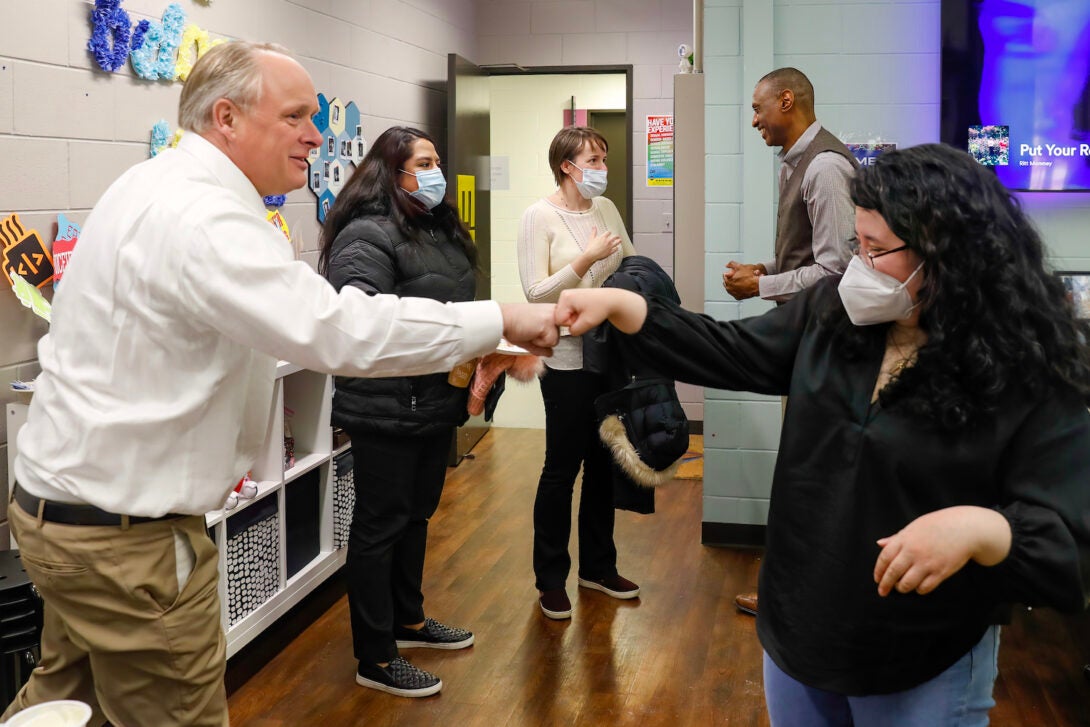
342 148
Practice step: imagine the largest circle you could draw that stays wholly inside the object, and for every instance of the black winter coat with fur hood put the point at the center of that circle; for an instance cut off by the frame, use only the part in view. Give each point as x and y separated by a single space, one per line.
374 255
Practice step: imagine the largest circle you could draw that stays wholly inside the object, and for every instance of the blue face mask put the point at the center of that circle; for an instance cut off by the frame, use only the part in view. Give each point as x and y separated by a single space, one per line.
593 184
432 187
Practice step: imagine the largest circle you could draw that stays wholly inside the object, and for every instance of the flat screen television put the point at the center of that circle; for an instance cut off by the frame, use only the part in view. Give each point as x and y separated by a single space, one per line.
1016 89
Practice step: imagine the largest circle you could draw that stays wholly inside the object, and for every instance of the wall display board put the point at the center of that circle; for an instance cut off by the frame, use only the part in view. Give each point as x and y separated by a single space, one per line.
342 148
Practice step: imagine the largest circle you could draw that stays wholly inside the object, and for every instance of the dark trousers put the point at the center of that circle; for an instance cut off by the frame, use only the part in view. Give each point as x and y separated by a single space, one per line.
398 484
571 440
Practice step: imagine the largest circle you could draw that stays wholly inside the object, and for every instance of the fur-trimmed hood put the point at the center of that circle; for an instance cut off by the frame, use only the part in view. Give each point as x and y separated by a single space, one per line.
645 429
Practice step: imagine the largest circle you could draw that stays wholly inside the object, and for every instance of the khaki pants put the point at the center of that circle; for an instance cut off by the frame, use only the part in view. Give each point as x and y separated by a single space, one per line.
132 620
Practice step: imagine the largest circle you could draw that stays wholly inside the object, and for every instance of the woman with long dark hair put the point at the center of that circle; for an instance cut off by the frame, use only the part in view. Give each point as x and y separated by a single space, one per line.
391 231
934 453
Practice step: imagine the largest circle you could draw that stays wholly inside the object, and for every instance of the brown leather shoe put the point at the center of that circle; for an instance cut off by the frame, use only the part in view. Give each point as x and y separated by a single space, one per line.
746 603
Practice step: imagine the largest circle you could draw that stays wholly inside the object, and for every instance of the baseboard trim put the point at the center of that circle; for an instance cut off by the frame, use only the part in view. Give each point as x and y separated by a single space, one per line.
732 535
696 427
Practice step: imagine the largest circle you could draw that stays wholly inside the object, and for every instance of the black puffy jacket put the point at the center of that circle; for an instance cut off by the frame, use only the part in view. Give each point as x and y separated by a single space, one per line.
654 421
374 255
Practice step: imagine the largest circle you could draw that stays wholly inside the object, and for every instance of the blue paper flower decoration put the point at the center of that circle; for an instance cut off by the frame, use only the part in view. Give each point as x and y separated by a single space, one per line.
110 23
160 137
155 44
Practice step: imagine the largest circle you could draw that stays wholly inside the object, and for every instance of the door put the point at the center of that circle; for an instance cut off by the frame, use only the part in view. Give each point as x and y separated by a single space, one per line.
613 125
467 166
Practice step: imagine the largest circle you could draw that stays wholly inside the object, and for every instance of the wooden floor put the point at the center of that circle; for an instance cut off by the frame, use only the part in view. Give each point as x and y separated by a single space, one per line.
680 655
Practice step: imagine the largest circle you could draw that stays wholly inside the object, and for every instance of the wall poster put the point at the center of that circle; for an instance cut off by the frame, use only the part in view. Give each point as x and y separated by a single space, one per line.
660 150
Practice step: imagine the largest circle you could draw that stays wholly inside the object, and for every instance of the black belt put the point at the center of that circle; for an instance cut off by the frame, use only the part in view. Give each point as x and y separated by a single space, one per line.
68 514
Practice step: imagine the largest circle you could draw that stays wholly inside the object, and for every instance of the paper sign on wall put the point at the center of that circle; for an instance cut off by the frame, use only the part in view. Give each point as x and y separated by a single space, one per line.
67 237
660 150
24 253
499 170
467 203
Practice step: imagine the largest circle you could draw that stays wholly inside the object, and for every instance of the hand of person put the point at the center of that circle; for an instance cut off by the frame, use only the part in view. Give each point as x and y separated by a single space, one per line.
740 280
602 246
934 546
581 309
531 326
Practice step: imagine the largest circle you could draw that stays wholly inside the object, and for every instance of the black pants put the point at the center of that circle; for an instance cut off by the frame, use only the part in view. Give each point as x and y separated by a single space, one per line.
398 484
571 440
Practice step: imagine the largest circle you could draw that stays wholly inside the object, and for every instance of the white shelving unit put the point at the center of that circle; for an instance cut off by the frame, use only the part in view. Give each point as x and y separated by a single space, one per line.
278 547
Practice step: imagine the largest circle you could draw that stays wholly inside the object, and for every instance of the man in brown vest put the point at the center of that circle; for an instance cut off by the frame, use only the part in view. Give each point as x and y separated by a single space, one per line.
816 219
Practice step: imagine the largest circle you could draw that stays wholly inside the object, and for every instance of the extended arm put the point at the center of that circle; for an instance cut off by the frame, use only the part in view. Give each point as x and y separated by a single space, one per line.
753 354
239 278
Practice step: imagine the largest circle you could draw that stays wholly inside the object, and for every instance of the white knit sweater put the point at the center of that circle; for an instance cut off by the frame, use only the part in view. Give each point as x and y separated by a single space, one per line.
550 238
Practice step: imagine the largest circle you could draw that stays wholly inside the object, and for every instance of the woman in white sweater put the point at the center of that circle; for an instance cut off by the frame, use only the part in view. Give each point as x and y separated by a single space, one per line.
574 238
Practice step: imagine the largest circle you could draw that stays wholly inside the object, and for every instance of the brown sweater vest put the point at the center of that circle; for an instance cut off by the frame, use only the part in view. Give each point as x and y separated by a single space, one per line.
794 231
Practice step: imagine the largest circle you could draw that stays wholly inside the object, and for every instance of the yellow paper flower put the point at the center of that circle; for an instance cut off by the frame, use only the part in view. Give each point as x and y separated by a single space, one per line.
194 44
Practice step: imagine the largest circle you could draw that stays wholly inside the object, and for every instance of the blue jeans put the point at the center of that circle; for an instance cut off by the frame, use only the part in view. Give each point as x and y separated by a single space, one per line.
959 697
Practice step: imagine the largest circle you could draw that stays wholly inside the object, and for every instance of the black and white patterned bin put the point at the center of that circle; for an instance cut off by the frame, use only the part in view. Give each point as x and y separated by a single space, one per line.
253 558
344 498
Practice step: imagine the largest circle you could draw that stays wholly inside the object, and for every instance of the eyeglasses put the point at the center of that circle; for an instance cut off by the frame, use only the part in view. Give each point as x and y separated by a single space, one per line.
870 257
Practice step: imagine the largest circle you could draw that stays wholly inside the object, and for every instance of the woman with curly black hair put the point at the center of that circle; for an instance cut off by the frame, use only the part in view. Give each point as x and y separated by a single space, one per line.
934 453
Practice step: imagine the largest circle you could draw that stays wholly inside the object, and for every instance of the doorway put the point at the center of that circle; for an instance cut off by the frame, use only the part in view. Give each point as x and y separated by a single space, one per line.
527 111
613 125
522 110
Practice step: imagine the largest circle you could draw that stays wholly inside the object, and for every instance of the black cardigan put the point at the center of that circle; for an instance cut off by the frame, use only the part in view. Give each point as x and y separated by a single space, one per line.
849 472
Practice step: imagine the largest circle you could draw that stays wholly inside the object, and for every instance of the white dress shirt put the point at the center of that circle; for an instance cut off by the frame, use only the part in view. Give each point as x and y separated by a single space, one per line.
158 371
827 194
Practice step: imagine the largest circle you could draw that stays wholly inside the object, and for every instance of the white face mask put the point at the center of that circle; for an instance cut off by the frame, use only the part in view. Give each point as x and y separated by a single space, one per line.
593 184
870 296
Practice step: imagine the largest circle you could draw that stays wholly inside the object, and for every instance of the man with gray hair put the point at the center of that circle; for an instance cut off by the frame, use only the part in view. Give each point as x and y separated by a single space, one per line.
156 383
816 219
